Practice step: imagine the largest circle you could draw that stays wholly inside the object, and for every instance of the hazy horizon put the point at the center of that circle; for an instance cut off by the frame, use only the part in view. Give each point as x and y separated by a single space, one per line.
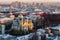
9 1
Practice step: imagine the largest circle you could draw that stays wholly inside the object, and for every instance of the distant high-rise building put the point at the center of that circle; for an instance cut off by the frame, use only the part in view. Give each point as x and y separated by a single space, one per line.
0 8
15 4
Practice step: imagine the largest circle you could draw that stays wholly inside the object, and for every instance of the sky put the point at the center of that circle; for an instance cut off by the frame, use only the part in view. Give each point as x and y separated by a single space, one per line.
8 1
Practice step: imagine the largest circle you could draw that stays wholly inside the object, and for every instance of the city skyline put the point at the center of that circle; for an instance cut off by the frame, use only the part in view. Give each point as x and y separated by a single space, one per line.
9 1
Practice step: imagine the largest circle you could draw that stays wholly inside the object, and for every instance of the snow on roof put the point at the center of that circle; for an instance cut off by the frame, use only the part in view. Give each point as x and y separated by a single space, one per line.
56 27
56 12
25 37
